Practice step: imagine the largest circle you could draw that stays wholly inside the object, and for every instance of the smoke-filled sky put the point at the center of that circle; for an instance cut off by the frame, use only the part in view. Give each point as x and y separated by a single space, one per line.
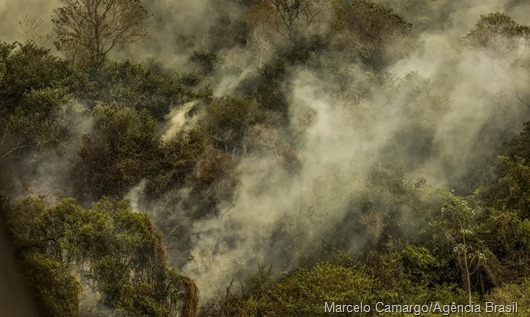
14 15
467 97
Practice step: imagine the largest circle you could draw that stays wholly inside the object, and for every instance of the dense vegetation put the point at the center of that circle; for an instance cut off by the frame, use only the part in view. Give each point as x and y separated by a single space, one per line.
239 183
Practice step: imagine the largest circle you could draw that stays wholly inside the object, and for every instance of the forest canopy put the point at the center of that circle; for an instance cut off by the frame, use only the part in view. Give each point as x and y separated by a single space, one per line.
261 158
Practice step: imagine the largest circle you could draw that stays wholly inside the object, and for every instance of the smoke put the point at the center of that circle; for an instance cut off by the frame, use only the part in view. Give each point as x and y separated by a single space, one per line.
176 28
26 20
91 302
133 196
439 110
41 171
178 120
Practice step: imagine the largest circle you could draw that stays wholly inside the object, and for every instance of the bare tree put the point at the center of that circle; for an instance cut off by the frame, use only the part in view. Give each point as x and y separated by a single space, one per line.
291 19
30 29
88 29
295 16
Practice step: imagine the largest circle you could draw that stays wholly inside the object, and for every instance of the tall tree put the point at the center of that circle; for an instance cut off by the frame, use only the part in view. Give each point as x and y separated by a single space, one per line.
497 34
122 149
295 16
88 29
367 28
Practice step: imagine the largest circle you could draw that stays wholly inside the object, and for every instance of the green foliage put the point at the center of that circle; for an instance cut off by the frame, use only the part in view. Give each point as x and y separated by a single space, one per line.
228 120
505 225
23 222
56 290
497 34
136 86
113 250
36 107
25 68
507 236
178 159
509 293
227 33
39 117
418 261
510 188
368 28
205 61
397 239
302 293
122 148
45 120
384 277
269 88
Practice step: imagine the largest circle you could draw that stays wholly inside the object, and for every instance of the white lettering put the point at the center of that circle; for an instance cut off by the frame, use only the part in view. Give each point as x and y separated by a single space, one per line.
329 309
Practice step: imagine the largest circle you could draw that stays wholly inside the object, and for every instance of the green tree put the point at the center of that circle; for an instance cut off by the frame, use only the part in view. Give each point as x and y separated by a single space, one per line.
509 189
301 293
459 223
138 86
367 28
509 293
497 34
178 159
28 74
508 238
122 148
227 121
295 17
55 289
39 116
114 251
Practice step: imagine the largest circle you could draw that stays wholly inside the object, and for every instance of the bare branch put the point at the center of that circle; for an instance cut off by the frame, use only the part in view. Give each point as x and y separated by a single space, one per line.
90 29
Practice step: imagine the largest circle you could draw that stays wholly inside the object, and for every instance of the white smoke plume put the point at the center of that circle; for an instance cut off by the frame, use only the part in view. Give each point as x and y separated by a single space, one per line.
178 121
342 137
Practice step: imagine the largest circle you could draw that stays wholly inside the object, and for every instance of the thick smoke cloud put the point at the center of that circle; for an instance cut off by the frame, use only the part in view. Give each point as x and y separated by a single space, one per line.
469 102
336 152
176 28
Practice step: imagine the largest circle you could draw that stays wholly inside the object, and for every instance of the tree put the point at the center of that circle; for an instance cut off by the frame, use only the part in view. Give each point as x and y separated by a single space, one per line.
39 116
295 16
301 293
88 29
459 223
122 149
55 289
64 250
497 34
368 28
228 119
291 20
510 188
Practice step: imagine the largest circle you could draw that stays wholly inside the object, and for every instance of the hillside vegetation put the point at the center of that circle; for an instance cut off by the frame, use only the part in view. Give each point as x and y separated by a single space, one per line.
261 158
